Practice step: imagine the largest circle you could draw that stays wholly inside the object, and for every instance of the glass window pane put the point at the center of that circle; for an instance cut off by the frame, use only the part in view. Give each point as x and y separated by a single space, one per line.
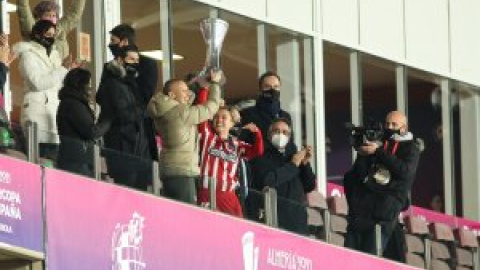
187 39
337 111
144 16
457 153
239 58
379 88
286 57
424 98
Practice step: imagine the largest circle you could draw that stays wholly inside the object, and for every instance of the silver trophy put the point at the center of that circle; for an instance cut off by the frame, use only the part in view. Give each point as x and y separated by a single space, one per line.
214 31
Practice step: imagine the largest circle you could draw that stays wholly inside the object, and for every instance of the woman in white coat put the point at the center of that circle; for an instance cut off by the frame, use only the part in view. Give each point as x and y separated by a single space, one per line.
42 72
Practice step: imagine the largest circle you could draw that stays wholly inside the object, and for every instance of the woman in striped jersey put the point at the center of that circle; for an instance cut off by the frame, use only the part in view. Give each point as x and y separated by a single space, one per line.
220 155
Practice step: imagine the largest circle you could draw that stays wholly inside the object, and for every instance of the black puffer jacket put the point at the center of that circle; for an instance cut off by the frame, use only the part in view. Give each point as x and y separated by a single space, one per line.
146 84
276 170
119 99
370 202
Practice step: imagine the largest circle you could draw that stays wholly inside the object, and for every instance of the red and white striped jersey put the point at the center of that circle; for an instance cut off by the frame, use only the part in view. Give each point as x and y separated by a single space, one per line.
219 159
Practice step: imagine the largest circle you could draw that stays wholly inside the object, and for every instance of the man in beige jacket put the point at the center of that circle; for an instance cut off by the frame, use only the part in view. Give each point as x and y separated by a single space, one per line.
48 10
176 120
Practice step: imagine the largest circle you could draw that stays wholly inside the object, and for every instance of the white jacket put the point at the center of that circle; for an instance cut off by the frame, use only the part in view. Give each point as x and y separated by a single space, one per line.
42 78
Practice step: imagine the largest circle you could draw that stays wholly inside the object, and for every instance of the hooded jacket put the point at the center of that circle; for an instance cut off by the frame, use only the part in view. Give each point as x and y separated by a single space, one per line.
64 25
42 76
177 125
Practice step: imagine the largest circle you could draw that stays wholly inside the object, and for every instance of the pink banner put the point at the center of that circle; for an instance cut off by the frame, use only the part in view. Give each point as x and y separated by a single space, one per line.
21 223
427 215
93 225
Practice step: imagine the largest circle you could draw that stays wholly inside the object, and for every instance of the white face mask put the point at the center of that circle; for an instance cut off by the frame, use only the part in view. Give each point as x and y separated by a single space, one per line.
280 140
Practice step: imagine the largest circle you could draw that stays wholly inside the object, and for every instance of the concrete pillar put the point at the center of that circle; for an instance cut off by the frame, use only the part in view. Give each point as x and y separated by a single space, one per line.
470 154
288 67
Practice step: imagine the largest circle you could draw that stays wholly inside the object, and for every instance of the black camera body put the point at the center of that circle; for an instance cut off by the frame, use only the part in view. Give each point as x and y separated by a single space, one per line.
372 132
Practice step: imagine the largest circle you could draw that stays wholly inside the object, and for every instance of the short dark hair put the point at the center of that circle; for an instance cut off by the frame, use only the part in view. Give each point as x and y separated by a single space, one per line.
123 51
168 85
124 31
278 120
268 74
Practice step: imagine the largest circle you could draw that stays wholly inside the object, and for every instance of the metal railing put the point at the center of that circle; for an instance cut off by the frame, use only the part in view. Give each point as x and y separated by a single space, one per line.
270 206
31 134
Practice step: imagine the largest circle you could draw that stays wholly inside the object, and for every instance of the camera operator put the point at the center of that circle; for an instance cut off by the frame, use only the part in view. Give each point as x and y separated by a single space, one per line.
378 186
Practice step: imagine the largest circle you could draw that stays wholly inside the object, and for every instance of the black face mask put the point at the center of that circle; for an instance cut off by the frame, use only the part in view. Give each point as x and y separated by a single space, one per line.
269 101
46 42
270 94
388 133
114 49
131 69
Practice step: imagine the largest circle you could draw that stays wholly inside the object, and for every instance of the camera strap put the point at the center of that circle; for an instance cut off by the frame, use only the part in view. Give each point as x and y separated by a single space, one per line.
394 149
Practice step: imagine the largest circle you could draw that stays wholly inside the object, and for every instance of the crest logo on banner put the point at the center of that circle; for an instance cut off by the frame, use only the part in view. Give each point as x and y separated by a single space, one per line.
250 252
126 245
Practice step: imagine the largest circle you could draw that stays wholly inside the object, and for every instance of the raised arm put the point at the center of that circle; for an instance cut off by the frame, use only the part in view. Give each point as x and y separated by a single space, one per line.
202 99
25 18
256 149
71 18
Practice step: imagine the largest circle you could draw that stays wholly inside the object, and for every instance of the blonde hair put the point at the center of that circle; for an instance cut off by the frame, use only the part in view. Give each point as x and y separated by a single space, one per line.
233 112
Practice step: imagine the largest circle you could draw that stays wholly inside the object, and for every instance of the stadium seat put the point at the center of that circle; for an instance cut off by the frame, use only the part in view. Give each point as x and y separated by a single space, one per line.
466 249
318 215
14 153
338 220
443 247
417 242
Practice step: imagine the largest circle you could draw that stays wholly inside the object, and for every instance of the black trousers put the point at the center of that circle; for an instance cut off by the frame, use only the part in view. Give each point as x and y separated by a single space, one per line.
392 242
361 234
